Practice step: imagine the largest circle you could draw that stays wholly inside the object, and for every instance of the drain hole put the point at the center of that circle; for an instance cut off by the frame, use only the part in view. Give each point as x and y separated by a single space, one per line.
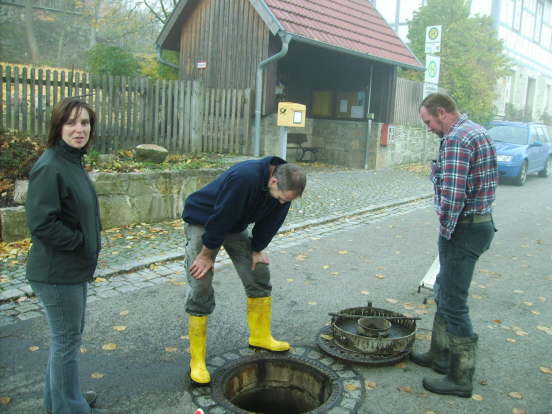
276 386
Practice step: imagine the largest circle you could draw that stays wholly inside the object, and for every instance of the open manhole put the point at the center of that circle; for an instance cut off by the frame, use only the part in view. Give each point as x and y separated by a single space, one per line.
268 383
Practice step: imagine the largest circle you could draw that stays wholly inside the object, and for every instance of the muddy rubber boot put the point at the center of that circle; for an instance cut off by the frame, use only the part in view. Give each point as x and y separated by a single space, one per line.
438 355
259 312
461 369
197 332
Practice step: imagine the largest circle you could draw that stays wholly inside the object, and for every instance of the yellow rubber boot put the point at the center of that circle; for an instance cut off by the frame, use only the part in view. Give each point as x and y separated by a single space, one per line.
259 311
197 332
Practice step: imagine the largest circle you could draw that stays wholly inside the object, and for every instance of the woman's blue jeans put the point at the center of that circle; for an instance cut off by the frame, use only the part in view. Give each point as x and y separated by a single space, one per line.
457 258
65 307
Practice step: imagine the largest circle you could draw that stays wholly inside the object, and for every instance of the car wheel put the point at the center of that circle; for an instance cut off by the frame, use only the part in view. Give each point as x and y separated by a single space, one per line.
545 172
522 176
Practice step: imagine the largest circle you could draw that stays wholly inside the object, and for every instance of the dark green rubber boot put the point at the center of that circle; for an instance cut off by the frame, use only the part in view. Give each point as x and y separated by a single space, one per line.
438 355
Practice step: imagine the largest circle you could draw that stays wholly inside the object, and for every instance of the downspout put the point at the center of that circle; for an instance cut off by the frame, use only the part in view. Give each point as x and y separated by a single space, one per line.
369 131
163 61
286 38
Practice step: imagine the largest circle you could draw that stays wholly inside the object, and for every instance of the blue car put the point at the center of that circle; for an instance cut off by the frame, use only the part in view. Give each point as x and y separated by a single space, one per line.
522 148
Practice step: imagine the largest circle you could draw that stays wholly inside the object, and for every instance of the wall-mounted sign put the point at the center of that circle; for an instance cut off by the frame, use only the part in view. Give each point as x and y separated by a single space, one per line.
201 64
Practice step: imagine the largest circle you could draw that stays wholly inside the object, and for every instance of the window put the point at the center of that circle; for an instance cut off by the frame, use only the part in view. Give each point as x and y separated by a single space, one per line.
518 14
537 34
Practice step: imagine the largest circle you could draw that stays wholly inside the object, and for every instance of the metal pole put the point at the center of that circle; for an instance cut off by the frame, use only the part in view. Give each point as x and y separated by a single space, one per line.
369 114
259 90
283 141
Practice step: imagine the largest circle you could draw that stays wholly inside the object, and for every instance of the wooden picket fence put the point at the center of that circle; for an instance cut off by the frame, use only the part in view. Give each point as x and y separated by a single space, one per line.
181 116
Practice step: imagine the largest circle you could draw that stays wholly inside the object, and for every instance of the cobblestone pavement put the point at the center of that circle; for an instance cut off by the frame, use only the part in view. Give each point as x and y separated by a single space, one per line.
145 254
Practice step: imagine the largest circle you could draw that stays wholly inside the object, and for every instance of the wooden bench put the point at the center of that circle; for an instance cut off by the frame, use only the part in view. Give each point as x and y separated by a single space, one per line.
298 140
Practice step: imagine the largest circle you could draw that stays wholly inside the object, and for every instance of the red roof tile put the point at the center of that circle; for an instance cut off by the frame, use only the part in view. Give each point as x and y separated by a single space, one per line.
347 24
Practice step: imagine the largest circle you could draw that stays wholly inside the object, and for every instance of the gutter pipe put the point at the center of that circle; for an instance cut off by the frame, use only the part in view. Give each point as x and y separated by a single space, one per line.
286 38
163 61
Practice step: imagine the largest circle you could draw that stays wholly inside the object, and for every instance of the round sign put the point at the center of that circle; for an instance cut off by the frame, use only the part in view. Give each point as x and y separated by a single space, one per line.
432 69
433 33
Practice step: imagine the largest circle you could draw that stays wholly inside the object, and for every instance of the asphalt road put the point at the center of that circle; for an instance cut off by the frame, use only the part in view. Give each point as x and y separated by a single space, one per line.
377 257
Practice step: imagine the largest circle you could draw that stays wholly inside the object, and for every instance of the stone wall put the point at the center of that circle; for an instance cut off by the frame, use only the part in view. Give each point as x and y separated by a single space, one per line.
126 198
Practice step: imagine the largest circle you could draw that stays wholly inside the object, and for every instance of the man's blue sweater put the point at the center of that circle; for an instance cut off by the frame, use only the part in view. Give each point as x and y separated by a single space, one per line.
235 199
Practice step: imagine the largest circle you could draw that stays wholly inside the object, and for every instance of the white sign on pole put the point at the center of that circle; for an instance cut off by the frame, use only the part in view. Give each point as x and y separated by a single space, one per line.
433 39
433 66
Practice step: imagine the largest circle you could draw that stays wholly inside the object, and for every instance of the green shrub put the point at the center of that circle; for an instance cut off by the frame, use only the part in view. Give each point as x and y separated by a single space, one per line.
17 155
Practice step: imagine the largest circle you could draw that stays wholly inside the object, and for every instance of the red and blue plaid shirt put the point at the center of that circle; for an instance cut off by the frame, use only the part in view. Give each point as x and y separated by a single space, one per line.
465 175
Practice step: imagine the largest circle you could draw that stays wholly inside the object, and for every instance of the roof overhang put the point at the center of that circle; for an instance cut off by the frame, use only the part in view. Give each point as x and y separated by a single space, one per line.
169 38
317 43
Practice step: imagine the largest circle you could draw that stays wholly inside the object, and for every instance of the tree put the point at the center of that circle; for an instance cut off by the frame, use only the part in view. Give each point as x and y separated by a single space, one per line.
111 60
161 9
472 57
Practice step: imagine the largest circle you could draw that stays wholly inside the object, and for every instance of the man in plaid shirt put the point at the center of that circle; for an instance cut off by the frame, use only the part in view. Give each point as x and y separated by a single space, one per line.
464 177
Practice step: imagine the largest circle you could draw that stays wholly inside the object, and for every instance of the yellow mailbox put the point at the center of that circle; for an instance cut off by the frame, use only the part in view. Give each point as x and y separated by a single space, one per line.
291 114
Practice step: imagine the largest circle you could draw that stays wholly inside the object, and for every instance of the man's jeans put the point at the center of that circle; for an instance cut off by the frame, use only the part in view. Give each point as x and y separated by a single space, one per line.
457 258
65 307
200 299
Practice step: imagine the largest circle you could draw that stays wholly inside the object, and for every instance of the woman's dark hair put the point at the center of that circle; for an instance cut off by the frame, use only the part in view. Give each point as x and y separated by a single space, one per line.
61 114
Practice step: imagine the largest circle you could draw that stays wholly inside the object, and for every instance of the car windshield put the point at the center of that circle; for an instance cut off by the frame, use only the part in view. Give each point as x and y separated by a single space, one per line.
507 133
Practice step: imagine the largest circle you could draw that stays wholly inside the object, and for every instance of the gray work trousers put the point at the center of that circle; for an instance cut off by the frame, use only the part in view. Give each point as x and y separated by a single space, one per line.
200 298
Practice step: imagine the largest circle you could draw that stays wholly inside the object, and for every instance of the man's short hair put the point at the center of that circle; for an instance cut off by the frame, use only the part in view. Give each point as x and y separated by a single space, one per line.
439 100
291 177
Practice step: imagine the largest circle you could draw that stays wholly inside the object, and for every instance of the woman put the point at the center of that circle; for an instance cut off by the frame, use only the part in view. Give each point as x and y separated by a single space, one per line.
63 216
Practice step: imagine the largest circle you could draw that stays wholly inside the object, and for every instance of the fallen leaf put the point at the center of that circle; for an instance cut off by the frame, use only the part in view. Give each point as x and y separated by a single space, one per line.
542 298
326 267
83 350
109 347
326 337
300 257
545 329
364 292
518 291
430 412
97 375
5 400
528 303
334 273
477 296
405 388
391 300
99 280
119 328
409 306
290 280
497 321
370 385
521 333
351 387
534 312
423 337
343 252
380 276
546 370
477 397
123 313
170 349
177 282
483 382
511 340
184 337
34 348
312 303
516 395
518 411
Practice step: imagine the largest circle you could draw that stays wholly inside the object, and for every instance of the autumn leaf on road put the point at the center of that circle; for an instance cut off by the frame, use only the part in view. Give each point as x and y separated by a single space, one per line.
5 400
109 347
97 375
516 395
477 397
119 328
405 388
370 385
343 252
123 313
170 349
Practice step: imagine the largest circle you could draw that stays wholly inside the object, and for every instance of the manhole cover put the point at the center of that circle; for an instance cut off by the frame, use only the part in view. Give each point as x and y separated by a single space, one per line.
301 381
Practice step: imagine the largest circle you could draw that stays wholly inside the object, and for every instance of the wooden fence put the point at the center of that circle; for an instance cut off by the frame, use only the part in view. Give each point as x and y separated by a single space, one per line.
182 116
408 98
